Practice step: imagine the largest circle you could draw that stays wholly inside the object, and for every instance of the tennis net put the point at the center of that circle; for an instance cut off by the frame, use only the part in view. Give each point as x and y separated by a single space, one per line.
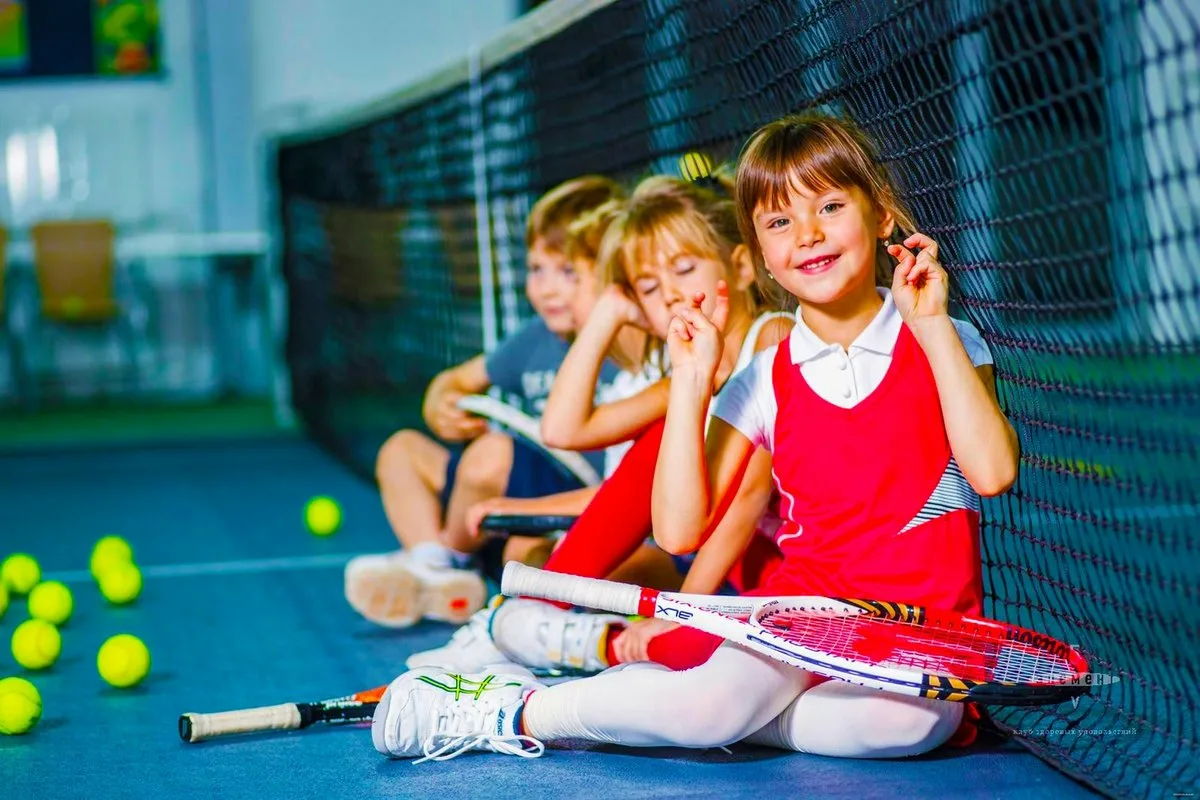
1051 149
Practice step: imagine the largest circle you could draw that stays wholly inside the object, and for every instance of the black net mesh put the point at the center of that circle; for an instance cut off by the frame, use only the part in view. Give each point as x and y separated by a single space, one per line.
1051 148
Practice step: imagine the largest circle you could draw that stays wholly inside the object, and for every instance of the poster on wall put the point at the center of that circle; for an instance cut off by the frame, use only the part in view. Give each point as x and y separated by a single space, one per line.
127 36
14 42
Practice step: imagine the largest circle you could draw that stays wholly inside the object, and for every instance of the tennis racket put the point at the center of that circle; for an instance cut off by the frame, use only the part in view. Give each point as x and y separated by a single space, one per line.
899 648
359 707
528 428
525 524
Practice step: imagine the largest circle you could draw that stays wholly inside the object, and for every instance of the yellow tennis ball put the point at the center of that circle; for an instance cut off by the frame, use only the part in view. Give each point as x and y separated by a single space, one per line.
121 584
20 706
695 165
108 552
20 573
51 601
322 515
36 644
123 661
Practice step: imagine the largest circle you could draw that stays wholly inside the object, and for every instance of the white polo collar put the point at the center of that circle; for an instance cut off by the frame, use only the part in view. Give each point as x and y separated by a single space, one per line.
878 337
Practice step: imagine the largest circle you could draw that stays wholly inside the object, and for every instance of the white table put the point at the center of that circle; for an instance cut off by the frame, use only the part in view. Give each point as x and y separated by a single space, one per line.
168 245
233 252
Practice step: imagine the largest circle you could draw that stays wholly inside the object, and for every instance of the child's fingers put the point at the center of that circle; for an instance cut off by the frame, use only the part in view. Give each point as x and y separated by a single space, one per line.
679 329
721 311
923 242
695 319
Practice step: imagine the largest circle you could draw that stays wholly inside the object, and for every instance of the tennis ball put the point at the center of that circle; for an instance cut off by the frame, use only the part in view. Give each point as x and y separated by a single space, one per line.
20 706
20 573
121 584
695 165
36 644
108 552
123 661
51 601
322 515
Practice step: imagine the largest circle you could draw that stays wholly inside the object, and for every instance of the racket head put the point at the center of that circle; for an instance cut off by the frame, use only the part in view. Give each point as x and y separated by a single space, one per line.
948 656
526 524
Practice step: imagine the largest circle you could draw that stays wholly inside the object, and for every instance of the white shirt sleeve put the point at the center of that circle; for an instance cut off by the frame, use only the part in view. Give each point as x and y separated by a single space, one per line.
973 342
747 401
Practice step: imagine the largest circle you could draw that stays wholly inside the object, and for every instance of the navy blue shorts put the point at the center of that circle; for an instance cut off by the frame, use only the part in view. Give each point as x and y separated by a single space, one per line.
534 473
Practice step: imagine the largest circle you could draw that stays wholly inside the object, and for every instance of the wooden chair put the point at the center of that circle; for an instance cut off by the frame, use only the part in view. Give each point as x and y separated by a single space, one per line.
73 261
75 267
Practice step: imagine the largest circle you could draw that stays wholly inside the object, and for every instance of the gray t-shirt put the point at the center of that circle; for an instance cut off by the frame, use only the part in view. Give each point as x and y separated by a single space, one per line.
523 368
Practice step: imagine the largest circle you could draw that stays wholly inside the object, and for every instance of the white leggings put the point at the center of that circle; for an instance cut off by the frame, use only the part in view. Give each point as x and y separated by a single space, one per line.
736 695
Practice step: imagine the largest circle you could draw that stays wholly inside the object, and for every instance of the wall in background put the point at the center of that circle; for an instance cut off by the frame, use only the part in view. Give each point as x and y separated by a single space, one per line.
128 149
183 152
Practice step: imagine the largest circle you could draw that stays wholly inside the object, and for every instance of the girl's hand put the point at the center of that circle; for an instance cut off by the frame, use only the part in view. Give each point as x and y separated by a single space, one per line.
633 643
693 340
920 287
493 505
621 308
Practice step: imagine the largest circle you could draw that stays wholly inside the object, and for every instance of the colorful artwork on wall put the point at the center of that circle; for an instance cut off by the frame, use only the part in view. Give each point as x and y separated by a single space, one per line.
14 40
127 37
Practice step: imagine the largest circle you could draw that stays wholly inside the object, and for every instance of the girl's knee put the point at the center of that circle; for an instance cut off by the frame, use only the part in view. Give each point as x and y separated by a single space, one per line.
909 726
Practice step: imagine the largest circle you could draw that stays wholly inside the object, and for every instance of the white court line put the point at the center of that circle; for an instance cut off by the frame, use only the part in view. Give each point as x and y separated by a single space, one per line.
252 565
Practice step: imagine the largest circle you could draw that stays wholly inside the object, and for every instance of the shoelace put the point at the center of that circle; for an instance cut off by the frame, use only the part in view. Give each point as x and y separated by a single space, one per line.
443 746
455 746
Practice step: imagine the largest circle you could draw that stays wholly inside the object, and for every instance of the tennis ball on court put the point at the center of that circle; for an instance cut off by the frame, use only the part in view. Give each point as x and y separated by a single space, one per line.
36 644
51 601
123 661
20 573
20 706
322 515
108 552
121 584
695 165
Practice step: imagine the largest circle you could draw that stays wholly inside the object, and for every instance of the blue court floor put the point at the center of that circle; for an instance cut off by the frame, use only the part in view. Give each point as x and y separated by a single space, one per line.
243 607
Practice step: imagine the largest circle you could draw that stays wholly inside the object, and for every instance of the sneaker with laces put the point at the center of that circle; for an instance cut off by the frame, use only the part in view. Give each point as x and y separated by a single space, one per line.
470 649
439 715
397 590
544 636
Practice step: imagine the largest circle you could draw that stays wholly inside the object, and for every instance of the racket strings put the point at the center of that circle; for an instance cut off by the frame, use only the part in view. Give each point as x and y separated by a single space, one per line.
962 650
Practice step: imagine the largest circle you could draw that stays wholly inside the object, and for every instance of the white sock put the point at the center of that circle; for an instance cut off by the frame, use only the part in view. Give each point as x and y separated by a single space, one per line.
433 554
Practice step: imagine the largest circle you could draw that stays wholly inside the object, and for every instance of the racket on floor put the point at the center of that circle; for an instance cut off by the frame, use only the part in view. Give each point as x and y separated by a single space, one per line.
899 648
525 524
358 707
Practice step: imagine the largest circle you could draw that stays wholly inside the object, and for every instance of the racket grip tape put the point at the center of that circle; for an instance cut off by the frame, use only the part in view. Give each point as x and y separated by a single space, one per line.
198 727
520 580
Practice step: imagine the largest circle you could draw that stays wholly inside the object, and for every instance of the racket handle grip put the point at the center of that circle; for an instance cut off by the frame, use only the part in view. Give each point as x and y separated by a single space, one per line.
520 580
198 727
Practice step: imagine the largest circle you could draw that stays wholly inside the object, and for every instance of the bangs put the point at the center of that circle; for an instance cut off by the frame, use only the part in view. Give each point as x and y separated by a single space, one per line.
798 161
673 232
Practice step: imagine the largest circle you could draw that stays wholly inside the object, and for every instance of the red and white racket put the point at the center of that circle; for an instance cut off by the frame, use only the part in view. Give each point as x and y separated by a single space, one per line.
899 648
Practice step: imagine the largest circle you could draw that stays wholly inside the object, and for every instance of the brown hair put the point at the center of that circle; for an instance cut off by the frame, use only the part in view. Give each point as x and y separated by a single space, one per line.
700 215
819 152
586 232
553 213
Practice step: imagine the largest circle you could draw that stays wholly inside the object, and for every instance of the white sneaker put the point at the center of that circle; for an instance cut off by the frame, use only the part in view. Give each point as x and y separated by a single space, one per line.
543 636
470 649
397 590
440 715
